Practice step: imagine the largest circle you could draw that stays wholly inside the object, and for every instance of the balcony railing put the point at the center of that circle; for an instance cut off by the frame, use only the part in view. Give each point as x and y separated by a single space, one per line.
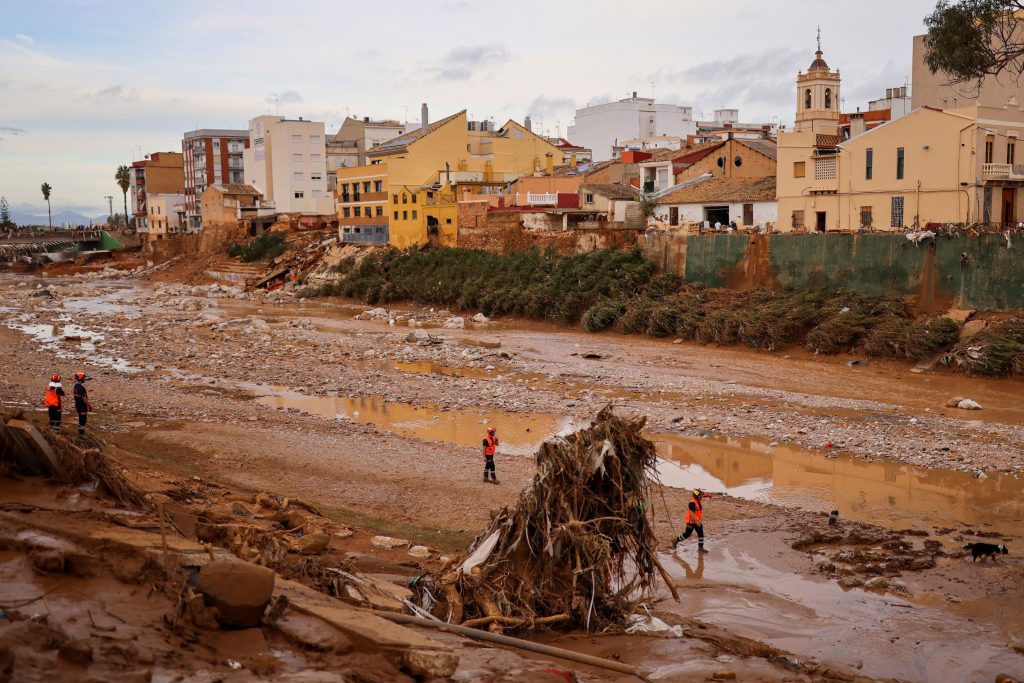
540 199
1002 172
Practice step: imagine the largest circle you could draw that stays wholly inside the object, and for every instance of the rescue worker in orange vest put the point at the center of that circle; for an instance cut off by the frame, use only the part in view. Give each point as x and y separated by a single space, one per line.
490 446
54 402
694 520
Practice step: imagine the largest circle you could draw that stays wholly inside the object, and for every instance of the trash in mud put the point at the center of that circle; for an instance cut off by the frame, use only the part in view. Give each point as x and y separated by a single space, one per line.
577 550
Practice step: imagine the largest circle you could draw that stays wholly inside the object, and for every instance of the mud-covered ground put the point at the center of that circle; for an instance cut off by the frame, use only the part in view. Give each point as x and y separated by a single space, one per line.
380 429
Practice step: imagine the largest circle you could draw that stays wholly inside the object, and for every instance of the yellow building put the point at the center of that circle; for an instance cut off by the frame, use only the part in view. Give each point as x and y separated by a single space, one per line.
930 167
408 194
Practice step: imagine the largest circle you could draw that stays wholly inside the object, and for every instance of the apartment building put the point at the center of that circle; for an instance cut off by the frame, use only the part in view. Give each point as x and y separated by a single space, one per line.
158 173
604 127
348 147
286 162
211 156
165 215
408 194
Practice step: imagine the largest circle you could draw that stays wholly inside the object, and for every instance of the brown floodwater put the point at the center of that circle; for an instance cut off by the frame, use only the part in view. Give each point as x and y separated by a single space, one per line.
519 433
887 493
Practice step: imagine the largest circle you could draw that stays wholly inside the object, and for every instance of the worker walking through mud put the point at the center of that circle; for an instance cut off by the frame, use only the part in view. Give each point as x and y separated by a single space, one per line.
82 405
694 520
490 447
54 402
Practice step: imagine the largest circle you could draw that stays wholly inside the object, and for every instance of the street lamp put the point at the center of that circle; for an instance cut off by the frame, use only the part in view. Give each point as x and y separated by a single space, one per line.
110 207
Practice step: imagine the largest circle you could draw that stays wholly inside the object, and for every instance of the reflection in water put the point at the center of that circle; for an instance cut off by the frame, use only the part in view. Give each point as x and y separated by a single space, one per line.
887 493
692 573
519 433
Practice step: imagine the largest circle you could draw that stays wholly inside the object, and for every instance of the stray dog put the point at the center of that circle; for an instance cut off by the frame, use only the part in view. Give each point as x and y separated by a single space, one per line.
984 550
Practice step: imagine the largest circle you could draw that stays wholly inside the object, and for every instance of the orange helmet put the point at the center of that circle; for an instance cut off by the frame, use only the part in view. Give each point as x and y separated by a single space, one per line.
492 430
80 375
55 378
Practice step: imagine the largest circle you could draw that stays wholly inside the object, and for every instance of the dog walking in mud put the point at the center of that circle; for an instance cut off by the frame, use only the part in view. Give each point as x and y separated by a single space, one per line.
694 520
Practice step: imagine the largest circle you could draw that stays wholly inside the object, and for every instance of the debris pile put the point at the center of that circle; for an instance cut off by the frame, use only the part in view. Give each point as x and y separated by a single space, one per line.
306 252
995 350
577 550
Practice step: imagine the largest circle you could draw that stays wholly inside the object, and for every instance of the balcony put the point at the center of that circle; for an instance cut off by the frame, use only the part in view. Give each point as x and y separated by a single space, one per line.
542 199
991 172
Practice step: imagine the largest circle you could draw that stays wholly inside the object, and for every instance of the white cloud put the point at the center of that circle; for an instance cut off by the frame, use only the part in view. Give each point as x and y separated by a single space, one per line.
24 38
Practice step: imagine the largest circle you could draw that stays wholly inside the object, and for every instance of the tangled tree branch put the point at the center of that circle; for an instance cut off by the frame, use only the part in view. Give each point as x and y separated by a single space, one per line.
971 39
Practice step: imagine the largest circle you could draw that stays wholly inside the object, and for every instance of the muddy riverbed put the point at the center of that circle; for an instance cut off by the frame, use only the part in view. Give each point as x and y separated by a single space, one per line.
383 429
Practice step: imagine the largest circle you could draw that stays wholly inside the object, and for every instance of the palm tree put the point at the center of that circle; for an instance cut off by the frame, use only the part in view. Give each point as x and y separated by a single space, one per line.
46 195
124 181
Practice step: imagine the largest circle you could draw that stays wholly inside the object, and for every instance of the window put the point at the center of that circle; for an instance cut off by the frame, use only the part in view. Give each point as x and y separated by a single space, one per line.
899 164
299 195
216 144
380 210
314 139
588 198
296 138
799 169
897 212
344 191
798 219
405 215
414 198
865 216
869 164
314 157
316 176
828 98
366 186
414 215
378 185
298 176
297 157
394 199
396 215
405 198
807 99
448 221
345 212
990 145
358 211
1011 151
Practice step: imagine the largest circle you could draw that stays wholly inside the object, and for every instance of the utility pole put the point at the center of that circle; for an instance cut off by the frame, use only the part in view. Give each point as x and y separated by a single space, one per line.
110 207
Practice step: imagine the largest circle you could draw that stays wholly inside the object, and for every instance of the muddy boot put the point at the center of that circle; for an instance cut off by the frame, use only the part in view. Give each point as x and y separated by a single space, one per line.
494 481
700 548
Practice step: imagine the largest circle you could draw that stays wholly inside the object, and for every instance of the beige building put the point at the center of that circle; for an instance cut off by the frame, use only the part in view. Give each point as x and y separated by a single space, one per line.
286 161
936 90
165 213
232 212
930 167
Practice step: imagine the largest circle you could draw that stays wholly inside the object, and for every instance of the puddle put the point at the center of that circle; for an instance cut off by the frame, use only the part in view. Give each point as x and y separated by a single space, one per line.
887 493
739 588
519 433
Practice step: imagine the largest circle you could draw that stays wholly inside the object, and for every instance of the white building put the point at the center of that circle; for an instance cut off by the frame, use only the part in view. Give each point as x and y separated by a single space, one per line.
287 162
748 202
602 127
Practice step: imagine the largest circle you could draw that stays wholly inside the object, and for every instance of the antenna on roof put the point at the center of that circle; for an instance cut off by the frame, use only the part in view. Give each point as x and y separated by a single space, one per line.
819 37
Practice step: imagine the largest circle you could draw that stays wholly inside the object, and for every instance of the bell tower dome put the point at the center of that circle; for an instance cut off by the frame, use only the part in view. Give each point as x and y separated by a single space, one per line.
817 97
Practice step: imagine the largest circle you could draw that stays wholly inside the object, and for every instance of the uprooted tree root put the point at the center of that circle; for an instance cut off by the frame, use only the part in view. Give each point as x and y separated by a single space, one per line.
577 550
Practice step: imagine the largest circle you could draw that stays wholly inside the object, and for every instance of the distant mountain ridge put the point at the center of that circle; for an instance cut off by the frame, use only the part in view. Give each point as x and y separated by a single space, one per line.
31 216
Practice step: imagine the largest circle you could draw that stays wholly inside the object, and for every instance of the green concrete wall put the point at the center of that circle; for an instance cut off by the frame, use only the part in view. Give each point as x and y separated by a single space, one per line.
109 242
991 276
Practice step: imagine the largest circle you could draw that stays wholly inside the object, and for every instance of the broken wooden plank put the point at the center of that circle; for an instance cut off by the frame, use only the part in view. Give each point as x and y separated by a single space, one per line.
56 465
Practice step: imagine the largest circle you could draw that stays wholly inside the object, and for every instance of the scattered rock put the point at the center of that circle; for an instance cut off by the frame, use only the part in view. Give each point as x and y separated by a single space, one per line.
420 551
723 676
968 404
48 560
387 542
239 590
481 318
1005 678
971 328
312 633
454 323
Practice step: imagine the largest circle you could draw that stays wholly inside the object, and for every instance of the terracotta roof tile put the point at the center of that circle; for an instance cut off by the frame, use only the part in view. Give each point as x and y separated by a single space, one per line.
610 191
726 190
237 188
765 147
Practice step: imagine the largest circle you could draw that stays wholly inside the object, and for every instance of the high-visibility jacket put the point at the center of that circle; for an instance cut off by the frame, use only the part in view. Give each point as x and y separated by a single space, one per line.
695 516
490 445
52 398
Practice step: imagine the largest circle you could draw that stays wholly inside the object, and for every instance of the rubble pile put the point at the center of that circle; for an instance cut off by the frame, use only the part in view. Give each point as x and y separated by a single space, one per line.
577 550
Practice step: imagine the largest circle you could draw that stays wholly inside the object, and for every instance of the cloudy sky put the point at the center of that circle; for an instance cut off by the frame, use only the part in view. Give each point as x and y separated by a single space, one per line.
85 86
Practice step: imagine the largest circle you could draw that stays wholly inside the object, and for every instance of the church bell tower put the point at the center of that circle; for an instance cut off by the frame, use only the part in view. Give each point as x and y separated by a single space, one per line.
817 97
